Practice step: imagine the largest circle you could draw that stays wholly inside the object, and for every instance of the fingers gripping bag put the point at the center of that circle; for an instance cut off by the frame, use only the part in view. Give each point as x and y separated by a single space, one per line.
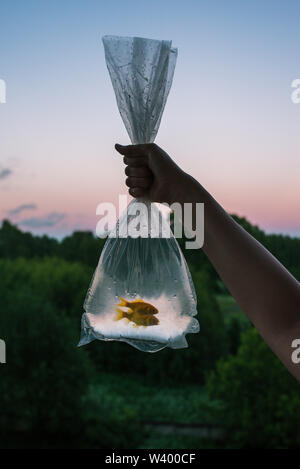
141 292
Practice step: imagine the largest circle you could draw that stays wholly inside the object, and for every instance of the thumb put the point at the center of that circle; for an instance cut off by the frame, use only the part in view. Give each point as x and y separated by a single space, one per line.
120 148
130 150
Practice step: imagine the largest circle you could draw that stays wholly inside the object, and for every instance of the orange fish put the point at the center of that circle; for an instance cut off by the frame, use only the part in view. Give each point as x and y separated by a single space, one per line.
138 312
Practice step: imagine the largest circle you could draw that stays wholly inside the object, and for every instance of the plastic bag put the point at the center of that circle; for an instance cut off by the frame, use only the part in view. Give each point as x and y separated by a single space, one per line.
141 292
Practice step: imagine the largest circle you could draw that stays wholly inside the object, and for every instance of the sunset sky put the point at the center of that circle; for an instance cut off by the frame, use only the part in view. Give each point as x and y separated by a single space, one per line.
229 119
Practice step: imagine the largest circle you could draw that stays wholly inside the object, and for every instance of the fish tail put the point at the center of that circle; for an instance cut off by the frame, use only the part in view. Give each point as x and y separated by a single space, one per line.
119 315
123 302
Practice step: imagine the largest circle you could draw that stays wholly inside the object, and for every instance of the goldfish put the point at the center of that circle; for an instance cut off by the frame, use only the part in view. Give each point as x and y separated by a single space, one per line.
137 311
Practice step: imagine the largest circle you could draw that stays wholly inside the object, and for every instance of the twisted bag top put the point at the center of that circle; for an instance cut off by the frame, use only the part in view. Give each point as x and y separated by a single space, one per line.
141 71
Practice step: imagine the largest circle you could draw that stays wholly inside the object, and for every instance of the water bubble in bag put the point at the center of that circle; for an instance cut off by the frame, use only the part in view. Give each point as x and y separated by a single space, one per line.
141 292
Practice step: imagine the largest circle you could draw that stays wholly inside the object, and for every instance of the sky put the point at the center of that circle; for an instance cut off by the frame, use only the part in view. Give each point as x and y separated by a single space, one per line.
229 119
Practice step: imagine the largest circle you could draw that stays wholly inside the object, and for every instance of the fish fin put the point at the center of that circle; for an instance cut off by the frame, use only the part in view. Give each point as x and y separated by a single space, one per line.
123 302
119 315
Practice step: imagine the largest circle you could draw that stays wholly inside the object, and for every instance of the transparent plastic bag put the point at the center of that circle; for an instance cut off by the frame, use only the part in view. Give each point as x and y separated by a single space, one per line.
141 292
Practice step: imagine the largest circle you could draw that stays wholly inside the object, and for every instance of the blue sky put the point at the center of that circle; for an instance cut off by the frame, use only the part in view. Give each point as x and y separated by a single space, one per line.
229 119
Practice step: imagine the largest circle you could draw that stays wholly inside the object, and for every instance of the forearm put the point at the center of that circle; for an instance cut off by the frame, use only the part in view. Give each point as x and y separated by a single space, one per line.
262 287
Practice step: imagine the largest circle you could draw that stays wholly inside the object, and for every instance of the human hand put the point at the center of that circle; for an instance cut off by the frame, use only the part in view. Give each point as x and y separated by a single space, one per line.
153 174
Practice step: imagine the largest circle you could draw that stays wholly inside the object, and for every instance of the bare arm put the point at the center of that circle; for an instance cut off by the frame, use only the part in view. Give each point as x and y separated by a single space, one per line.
262 287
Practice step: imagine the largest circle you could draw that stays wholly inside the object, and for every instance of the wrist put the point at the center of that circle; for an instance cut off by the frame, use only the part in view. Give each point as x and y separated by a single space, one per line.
191 191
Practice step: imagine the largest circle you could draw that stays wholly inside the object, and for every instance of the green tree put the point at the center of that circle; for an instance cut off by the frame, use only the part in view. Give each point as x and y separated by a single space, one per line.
262 401
81 246
63 283
45 376
14 243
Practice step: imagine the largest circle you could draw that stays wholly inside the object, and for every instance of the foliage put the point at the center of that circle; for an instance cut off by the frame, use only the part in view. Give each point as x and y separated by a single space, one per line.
262 401
44 378
285 248
81 246
84 247
14 243
56 395
63 283
235 321
170 441
110 422
177 404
